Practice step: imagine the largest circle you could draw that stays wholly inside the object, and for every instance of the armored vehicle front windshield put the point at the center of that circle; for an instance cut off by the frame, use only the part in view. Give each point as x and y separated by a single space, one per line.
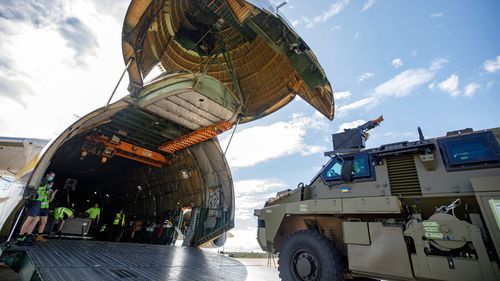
359 167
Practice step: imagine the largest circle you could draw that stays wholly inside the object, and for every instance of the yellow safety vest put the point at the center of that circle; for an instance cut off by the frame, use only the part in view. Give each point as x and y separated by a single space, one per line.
43 196
118 218
61 211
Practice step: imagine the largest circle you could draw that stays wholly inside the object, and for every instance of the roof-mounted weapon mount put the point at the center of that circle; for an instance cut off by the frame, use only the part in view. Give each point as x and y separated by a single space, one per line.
353 139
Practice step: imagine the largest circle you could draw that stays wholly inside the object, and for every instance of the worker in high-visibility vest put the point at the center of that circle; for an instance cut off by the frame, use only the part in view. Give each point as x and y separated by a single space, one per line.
38 211
61 214
94 214
117 227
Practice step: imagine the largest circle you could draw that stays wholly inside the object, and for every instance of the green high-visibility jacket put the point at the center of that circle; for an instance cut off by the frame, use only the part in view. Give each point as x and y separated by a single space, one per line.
119 217
60 212
43 194
93 212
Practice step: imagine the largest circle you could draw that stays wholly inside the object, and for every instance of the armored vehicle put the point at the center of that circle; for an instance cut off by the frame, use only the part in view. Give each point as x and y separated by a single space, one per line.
419 210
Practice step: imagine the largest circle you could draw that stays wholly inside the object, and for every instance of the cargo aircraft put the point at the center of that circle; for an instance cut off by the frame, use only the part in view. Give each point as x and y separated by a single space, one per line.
221 63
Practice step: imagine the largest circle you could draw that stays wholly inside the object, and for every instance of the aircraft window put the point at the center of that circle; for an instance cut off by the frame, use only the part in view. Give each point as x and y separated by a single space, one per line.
360 168
470 150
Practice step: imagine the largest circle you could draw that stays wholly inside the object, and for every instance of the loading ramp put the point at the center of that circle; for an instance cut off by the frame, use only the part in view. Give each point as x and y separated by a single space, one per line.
97 260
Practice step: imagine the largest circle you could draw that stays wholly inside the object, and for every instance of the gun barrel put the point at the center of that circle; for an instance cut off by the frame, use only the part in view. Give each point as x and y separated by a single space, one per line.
371 124
379 119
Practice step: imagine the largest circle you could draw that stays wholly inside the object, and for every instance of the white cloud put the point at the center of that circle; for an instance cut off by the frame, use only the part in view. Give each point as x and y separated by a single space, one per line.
356 36
257 186
437 64
342 95
435 15
397 63
432 86
349 125
364 76
252 194
492 65
470 89
368 4
249 195
332 11
365 102
450 85
50 82
244 240
403 84
336 27
249 147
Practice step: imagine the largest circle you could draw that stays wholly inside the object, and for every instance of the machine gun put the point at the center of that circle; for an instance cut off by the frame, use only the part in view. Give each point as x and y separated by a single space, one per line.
353 139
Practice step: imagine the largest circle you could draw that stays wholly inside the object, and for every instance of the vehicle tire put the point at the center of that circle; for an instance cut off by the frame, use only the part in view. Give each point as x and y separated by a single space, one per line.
307 255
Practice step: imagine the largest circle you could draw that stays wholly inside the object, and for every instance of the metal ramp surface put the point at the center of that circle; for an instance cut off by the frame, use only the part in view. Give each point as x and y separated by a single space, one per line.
95 260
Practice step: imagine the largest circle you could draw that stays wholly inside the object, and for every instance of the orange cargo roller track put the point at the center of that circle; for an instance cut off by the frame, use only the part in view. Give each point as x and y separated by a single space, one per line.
195 137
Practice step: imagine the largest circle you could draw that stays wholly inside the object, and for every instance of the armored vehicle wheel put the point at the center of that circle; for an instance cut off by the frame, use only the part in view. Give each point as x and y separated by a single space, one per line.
307 255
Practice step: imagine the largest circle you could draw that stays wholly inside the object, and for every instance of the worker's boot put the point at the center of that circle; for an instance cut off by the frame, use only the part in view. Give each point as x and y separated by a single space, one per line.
20 239
27 240
39 238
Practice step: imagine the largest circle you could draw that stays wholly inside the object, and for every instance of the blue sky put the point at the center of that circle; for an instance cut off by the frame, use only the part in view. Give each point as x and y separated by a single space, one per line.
433 64
419 63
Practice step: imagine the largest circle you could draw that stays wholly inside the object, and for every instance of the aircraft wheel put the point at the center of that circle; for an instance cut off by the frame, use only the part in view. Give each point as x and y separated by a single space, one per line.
309 256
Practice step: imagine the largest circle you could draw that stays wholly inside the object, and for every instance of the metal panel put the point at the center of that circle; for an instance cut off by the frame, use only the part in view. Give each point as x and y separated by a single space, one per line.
487 191
273 217
356 233
465 269
320 206
386 257
15 153
388 204
95 260
485 184
76 226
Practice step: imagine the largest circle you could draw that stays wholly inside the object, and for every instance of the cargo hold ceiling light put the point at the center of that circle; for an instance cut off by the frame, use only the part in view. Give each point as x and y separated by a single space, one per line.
185 174
83 154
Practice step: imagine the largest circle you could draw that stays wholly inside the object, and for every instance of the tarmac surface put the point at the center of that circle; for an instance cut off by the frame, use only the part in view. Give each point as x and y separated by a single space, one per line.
96 260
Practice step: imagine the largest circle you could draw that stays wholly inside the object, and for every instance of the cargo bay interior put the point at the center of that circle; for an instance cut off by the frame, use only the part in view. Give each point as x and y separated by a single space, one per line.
148 189
222 63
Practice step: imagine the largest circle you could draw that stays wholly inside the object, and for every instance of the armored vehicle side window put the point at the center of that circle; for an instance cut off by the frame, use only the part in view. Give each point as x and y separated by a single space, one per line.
360 168
469 151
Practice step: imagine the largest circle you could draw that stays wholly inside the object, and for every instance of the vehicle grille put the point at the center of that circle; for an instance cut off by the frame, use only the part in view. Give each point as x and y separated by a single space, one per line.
403 177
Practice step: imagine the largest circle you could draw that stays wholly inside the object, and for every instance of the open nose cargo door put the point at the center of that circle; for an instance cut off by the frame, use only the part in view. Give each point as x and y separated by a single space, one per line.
220 62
